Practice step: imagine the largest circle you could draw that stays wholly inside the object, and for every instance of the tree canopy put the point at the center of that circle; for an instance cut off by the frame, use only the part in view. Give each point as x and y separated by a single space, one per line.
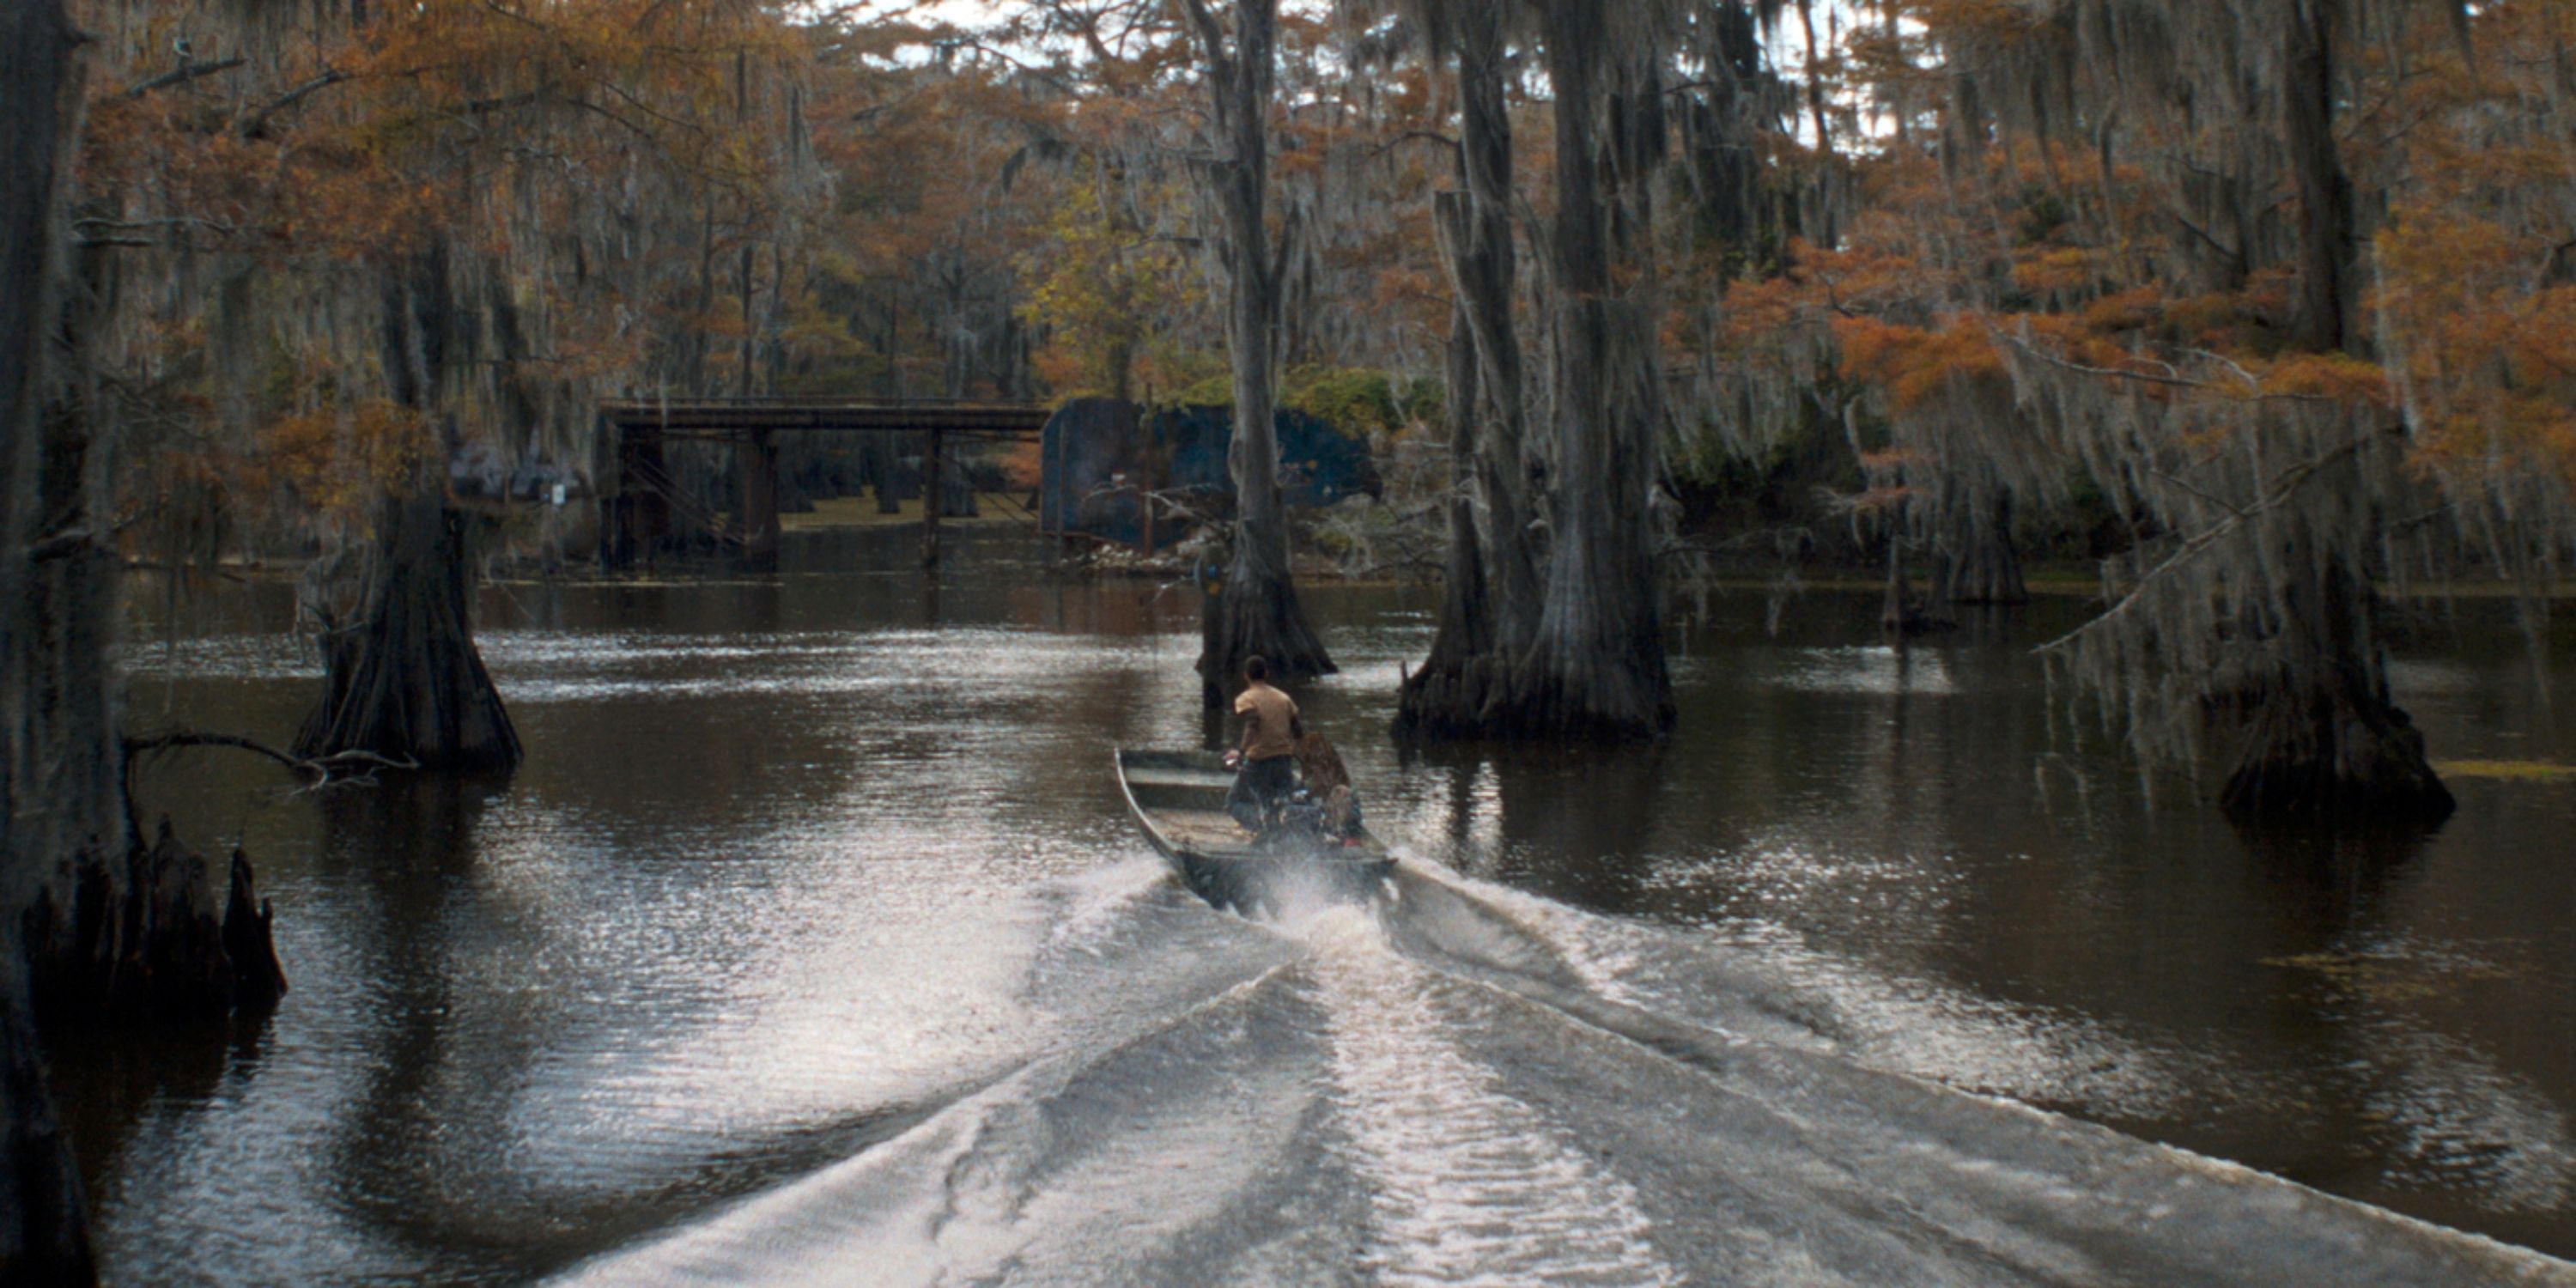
2277 290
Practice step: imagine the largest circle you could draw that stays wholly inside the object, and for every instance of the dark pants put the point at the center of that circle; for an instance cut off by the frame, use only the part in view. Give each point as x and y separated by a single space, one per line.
1259 787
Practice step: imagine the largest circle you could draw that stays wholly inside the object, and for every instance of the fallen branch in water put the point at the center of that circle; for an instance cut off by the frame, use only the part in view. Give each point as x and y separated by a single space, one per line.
320 770
344 768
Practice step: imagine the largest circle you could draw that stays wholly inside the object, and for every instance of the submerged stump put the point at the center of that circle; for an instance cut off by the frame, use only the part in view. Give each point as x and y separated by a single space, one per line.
166 938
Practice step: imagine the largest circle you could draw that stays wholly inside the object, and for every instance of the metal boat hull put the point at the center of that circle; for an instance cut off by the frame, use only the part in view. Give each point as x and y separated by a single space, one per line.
1178 798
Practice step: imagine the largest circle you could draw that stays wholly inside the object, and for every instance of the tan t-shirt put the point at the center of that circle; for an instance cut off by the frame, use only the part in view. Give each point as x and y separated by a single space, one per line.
1268 714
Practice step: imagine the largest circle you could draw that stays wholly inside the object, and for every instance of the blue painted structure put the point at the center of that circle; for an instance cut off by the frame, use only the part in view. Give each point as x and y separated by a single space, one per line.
1102 455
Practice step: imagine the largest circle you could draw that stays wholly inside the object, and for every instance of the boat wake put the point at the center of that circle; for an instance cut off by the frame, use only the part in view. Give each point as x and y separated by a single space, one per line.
1456 1084
1467 1185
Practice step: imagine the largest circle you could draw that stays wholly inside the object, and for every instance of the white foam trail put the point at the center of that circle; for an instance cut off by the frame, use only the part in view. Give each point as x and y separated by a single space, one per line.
1097 903
1600 951
1469 1186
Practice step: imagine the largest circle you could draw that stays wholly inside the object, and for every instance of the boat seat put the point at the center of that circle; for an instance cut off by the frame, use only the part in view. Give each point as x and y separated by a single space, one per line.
1176 776
1205 830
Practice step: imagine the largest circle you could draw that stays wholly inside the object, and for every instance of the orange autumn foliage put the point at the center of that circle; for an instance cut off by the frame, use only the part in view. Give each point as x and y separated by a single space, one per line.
1917 364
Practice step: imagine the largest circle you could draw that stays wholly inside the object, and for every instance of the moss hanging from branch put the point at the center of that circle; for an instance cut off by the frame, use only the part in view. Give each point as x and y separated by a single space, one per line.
2254 613
1489 612
1595 668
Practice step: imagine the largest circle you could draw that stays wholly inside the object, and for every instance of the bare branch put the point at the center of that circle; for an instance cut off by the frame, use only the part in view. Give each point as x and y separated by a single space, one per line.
183 73
2149 377
2252 385
2289 482
1020 65
179 738
224 226
70 541
320 769
2196 230
1413 136
2203 493
255 125
1210 34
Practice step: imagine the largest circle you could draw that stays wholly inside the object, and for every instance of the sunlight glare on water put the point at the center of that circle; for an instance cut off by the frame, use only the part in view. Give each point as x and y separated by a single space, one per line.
1467 1185
813 943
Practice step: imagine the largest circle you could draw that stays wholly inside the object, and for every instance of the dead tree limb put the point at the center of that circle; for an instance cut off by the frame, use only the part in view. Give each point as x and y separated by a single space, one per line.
2285 484
320 768
255 125
183 73
2257 394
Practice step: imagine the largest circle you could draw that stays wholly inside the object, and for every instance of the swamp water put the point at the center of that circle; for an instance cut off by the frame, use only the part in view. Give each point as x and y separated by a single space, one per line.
813 943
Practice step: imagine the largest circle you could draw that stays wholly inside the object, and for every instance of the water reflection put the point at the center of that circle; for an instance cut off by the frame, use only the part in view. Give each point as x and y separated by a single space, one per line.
804 866
1577 825
409 846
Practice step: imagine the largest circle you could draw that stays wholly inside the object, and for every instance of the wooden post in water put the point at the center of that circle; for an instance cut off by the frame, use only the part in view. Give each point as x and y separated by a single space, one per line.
760 501
621 525
934 498
643 511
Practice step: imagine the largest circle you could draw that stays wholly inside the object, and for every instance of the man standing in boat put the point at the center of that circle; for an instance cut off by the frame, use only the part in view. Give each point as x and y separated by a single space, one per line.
1266 762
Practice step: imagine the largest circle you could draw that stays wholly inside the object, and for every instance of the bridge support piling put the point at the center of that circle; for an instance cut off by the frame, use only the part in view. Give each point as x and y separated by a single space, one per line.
640 515
759 468
934 496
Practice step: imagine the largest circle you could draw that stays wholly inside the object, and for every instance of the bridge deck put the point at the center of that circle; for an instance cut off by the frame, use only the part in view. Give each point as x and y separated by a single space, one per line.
725 417
641 507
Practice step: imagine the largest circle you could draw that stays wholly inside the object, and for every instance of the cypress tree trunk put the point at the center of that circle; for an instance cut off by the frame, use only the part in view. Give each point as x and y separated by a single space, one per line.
44 1220
1489 614
1596 668
104 927
403 679
1487 266
44 1228
114 930
1976 562
2326 245
74 775
2321 738
1448 696
1256 612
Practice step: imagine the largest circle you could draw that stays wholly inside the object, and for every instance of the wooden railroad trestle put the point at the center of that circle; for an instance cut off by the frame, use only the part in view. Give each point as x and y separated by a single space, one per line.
639 512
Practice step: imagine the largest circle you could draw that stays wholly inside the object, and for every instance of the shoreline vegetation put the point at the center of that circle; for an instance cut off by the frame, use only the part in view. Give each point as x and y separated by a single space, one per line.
2054 578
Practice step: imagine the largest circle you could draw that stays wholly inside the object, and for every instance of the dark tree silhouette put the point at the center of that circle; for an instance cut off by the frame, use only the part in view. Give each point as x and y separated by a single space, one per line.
1256 611
44 1234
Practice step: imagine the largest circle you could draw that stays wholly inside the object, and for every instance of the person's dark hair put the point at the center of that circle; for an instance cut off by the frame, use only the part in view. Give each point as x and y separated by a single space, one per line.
1256 668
